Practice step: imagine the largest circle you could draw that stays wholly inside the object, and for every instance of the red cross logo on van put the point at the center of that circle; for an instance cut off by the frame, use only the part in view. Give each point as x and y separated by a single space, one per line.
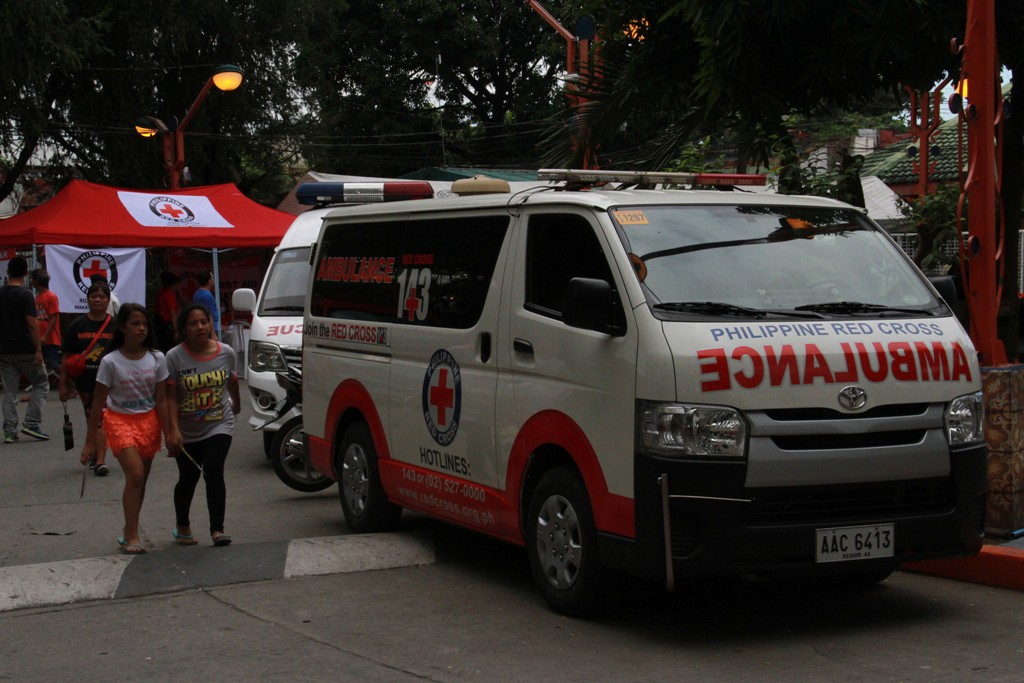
442 397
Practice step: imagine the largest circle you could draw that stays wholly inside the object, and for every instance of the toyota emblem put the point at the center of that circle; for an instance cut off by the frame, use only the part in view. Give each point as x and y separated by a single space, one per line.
853 398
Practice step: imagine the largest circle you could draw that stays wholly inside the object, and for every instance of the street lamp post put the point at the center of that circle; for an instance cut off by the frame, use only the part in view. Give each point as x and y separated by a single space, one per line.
226 77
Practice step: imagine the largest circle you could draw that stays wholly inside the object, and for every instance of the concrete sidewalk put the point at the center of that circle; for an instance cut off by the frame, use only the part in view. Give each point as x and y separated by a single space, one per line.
122 576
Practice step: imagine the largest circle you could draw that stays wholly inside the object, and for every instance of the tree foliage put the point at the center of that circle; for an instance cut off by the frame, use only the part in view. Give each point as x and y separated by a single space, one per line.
386 81
741 67
341 85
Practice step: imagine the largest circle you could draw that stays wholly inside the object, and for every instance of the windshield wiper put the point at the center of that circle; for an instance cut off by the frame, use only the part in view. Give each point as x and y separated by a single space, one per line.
709 308
721 308
854 307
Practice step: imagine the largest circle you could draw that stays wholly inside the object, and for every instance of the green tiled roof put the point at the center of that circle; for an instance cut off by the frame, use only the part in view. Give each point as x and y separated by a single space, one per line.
894 167
451 173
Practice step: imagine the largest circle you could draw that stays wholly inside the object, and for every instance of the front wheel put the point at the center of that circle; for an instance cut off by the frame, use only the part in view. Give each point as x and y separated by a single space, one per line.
366 507
562 545
288 457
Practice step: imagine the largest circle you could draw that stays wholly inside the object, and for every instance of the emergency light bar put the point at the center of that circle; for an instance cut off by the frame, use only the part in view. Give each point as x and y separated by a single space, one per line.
649 177
314 194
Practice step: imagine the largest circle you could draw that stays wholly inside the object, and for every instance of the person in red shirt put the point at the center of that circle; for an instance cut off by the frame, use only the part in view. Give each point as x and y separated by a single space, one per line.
48 319
167 305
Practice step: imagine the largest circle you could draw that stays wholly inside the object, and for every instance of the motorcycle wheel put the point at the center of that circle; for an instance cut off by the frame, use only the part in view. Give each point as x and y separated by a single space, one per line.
289 463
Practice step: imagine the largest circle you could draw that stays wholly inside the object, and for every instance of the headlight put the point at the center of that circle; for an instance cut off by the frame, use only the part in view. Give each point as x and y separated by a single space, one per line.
265 357
965 419
680 429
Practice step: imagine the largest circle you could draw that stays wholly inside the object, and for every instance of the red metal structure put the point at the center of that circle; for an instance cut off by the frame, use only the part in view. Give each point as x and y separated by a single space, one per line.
981 254
925 119
577 52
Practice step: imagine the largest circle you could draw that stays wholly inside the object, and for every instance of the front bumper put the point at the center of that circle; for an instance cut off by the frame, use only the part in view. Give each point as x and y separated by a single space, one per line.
698 519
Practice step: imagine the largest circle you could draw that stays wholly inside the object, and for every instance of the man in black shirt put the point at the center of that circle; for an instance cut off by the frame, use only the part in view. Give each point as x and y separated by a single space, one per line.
21 352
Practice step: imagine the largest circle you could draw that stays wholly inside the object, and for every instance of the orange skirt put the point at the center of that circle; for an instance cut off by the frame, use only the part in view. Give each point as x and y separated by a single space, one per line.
133 430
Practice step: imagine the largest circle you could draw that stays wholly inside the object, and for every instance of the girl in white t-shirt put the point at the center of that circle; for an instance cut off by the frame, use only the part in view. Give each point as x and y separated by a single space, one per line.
130 402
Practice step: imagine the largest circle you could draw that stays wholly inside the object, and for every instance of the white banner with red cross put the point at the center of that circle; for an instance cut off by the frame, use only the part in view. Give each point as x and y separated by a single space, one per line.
71 270
168 210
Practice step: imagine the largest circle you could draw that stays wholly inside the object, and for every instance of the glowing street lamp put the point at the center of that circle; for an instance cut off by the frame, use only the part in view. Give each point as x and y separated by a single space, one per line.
226 77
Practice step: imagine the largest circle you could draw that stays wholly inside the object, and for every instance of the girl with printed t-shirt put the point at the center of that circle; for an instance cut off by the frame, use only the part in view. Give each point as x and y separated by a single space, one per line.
131 402
203 398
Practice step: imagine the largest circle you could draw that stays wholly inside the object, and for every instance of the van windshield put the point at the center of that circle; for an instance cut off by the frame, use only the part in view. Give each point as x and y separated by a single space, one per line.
285 290
720 260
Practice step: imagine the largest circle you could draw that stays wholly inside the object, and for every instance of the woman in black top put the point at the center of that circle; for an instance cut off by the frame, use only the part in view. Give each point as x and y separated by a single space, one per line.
79 336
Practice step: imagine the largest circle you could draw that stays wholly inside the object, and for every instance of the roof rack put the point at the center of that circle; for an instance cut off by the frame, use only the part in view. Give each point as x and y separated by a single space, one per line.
575 178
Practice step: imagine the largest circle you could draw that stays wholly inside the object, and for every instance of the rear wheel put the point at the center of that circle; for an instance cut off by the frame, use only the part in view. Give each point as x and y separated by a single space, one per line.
562 545
363 502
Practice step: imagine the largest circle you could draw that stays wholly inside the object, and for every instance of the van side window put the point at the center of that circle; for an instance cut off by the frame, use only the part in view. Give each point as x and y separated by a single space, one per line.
560 247
434 272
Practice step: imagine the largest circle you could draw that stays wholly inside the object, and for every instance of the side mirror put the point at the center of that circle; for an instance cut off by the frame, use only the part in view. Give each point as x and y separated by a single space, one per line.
243 300
946 287
588 304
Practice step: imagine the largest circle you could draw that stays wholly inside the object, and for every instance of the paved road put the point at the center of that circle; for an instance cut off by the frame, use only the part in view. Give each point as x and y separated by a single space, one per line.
298 598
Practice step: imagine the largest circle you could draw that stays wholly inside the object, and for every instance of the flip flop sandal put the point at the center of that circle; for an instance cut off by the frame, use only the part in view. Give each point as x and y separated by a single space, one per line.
133 549
222 540
183 539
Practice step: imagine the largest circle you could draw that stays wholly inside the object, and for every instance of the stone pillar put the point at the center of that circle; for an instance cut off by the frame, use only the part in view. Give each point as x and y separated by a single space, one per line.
1004 433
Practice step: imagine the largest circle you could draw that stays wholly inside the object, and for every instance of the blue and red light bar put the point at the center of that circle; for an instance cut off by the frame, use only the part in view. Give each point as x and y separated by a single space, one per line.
322 194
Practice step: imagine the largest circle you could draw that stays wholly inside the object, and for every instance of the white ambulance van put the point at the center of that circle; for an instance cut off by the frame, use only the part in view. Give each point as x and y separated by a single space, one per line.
667 383
275 337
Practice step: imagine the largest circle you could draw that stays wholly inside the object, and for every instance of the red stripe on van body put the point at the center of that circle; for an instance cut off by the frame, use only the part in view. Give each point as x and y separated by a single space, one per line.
349 394
613 513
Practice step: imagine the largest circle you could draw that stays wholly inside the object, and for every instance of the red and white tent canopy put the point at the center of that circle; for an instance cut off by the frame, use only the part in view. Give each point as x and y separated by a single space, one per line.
91 215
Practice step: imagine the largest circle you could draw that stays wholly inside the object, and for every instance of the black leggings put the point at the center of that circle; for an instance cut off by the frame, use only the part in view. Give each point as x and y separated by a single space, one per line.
211 454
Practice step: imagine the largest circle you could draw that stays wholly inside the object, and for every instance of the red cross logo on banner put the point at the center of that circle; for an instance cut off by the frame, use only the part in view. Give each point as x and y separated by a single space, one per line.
169 210
94 262
94 268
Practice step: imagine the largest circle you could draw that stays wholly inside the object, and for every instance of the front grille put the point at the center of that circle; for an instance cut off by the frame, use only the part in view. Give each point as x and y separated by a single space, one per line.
292 355
819 413
838 442
850 502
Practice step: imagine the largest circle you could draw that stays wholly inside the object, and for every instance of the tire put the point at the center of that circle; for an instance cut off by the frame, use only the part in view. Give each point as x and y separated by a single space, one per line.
268 443
366 508
288 459
562 546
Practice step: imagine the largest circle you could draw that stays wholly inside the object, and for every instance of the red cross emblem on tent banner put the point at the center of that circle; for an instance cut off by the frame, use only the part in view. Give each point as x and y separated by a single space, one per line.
171 210
442 397
91 263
